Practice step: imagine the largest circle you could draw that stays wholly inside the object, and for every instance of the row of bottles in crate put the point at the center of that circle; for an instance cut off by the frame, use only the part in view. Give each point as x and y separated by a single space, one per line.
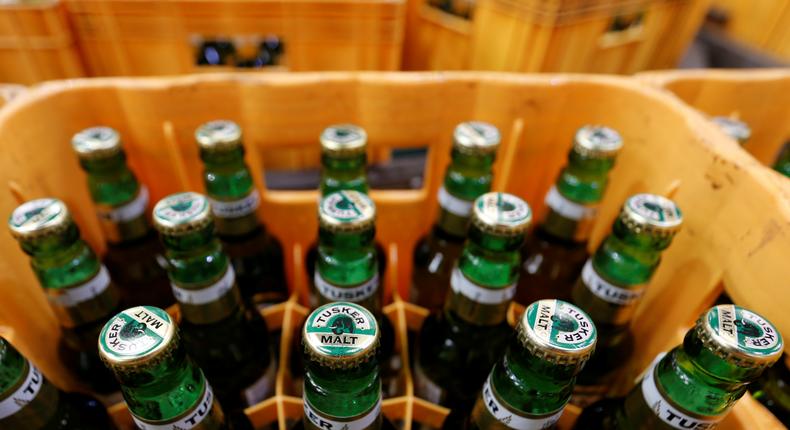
216 316
692 386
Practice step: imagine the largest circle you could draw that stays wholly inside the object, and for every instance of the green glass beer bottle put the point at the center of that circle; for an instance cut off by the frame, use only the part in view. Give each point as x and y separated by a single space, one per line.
773 390
342 389
555 252
467 177
257 257
614 279
162 386
457 347
347 267
530 386
133 250
343 168
738 130
77 285
220 330
696 384
782 163
28 401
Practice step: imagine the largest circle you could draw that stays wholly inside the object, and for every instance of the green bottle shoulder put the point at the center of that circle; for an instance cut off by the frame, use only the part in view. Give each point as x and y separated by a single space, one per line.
70 266
194 269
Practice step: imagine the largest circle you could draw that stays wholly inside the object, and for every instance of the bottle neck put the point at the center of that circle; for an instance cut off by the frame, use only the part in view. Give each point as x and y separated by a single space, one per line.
202 279
712 366
572 202
343 173
61 260
483 282
13 369
231 189
552 383
467 178
627 258
77 285
692 387
347 268
614 279
503 393
172 390
121 201
342 395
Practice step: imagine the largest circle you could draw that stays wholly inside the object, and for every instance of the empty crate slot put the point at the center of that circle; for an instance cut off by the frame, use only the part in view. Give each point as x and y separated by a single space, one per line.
248 51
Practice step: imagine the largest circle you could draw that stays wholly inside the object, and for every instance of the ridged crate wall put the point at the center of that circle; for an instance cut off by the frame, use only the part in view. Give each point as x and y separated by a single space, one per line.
736 211
36 43
760 98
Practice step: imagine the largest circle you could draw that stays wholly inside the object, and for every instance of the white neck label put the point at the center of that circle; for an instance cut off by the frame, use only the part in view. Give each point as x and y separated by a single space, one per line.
261 388
487 296
453 204
128 211
607 291
355 294
425 388
236 208
23 395
326 422
192 419
511 418
567 208
664 410
206 294
71 296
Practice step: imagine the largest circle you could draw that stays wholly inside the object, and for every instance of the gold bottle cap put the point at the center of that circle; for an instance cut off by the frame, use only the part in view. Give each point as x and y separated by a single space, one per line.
340 335
182 213
501 214
476 138
653 214
96 143
139 337
346 211
218 135
738 130
558 332
39 218
740 336
596 141
344 140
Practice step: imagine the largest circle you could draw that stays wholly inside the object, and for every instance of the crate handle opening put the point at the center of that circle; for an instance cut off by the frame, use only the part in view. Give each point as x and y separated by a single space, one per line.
624 28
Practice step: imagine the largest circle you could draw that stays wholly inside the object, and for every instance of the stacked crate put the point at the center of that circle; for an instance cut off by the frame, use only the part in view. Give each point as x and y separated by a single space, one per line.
613 36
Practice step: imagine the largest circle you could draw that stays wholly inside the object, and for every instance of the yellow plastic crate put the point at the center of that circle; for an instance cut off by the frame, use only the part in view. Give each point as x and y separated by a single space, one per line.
736 211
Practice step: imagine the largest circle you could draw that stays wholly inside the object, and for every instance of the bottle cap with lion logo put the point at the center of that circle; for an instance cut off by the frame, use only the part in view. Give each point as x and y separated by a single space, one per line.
340 335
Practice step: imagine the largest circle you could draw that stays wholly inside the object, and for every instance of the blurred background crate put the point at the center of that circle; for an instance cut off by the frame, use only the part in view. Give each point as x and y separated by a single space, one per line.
129 37
46 40
612 36
764 25
36 43
760 98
